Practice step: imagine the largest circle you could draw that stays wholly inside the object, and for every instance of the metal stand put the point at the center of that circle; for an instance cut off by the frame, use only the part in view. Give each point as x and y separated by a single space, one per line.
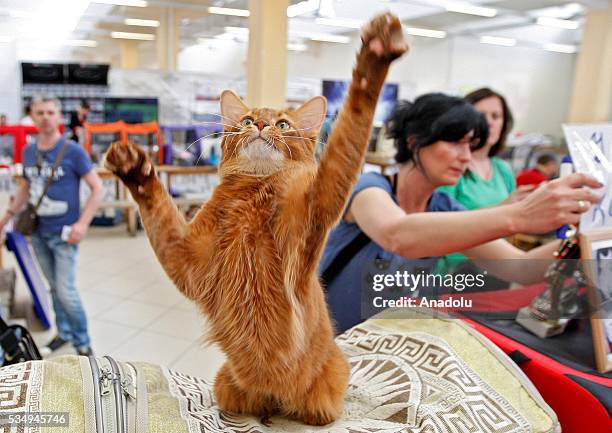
551 311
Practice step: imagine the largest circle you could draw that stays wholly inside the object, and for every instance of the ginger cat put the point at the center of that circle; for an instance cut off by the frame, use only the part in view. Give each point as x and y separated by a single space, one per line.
249 257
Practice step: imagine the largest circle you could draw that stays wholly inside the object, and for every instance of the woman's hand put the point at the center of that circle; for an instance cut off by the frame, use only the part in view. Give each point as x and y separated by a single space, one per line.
556 203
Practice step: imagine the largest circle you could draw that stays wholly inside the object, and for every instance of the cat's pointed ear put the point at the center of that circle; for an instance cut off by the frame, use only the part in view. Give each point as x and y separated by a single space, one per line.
232 107
312 114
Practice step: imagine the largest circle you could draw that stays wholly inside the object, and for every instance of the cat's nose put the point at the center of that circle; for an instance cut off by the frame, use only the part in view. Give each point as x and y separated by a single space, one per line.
261 124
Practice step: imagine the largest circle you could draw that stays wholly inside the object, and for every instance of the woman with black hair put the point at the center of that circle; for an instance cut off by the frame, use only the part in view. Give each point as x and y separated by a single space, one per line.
403 224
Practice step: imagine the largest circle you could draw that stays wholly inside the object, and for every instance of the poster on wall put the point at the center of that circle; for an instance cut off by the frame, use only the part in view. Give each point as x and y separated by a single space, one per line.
335 91
590 146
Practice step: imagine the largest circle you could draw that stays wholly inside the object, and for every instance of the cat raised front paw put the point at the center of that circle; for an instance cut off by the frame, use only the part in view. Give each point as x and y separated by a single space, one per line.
383 35
128 162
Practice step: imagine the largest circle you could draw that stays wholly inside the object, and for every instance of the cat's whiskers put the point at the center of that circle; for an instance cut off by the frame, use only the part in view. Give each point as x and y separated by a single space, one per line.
316 141
240 144
223 133
280 138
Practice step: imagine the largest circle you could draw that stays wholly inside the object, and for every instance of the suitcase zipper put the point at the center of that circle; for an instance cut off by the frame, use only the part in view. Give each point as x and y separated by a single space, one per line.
95 373
140 403
118 395
129 393
107 395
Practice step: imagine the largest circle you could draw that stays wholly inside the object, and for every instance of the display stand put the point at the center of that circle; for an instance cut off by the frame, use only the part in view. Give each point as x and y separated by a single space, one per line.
149 137
18 245
198 133
121 131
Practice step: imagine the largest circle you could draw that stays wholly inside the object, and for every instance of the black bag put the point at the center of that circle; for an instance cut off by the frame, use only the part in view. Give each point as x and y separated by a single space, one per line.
26 222
17 343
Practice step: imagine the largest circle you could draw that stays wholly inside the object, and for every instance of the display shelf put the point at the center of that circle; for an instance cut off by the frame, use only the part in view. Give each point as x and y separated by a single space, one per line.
70 96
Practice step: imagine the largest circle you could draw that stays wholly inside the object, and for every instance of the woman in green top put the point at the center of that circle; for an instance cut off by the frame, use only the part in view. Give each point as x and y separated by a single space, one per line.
489 180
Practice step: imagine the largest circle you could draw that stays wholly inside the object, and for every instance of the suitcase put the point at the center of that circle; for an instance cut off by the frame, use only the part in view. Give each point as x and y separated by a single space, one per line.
416 376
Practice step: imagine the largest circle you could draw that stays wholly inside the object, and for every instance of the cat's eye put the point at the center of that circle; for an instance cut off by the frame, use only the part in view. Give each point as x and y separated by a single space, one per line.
247 122
283 125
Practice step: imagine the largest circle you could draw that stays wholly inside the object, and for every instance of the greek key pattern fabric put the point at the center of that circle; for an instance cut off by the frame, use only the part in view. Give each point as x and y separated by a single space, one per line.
20 391
408 382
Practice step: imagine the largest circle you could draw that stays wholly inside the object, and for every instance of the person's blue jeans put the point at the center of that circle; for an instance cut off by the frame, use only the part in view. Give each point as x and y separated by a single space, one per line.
57 260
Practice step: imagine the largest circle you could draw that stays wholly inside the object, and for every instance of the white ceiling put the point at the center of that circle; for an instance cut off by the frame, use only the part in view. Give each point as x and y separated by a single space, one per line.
36 24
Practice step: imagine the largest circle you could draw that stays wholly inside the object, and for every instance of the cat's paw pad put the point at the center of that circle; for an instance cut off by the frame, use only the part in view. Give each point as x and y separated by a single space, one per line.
125 159
384 36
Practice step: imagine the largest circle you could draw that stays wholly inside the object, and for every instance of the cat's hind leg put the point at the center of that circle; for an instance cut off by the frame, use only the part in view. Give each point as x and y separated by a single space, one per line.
321 403
232 398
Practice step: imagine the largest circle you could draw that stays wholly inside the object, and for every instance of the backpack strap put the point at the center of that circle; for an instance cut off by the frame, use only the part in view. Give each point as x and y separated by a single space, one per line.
58 160
347 253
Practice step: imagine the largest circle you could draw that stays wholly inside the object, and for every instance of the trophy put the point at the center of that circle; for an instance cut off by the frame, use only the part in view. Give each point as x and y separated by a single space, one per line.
551 311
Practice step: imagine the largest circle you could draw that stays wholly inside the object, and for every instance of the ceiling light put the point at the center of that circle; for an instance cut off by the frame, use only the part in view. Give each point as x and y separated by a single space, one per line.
324 37
229 11
337 22
133 3
463 8
297 47
141 23
494 40
559 23
563 12
81 43
302 8
134 36
560 48
415 31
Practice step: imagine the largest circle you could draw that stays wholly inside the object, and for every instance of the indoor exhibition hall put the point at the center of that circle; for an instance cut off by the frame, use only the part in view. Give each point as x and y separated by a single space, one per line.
337 216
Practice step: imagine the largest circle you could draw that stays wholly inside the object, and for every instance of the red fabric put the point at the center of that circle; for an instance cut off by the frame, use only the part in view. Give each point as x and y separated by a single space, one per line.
532 176
577 409
504 300
499 300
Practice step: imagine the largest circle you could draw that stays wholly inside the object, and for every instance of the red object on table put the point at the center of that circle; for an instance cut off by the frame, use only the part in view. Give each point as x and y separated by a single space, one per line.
531 176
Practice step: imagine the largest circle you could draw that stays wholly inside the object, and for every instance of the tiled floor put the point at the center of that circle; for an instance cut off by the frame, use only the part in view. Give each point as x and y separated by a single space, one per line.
134 311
